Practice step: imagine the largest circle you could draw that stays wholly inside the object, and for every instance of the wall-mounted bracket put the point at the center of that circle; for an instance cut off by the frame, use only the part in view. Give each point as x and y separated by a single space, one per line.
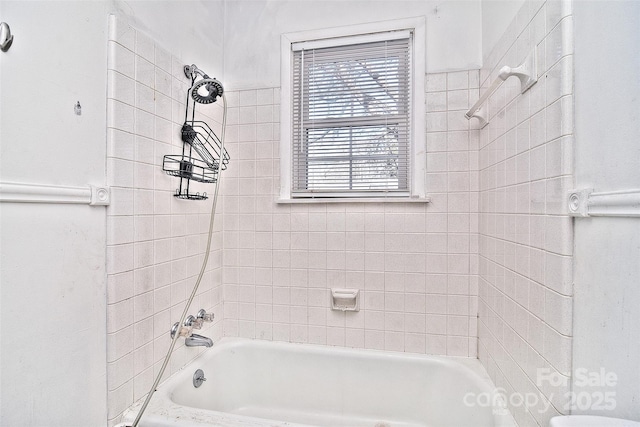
526 72
481 115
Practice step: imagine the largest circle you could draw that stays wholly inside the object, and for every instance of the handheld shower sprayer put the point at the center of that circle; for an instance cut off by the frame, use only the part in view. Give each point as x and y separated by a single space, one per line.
207 89
203 165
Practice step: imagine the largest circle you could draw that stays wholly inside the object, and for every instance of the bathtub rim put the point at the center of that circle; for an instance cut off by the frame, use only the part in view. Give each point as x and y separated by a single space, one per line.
163 401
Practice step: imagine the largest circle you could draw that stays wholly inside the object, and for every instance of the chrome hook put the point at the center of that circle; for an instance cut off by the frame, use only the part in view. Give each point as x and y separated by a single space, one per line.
5 37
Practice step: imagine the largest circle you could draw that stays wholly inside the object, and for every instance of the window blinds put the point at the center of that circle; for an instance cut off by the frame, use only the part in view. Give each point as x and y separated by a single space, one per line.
351 118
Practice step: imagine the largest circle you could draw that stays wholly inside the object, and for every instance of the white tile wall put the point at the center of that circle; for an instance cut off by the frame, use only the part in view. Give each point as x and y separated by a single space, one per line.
415 264
155 242
525 155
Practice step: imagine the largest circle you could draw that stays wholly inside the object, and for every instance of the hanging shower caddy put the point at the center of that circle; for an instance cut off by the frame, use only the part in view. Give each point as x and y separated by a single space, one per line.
201 159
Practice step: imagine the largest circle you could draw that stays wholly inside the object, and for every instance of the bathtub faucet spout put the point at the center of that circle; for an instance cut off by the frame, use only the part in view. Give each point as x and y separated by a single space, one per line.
195 340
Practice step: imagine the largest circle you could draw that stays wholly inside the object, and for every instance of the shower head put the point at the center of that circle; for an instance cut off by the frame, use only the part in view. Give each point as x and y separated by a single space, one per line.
206 90
203 91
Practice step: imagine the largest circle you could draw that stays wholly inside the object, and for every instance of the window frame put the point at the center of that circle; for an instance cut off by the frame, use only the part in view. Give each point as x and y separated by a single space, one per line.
332 36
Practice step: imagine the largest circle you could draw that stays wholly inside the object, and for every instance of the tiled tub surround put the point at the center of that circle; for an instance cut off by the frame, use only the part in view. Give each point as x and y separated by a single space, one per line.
494 240
525 287
155 242
415 264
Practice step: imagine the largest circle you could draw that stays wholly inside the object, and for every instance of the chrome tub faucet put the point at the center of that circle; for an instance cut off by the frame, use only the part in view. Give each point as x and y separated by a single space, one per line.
196 340
191 323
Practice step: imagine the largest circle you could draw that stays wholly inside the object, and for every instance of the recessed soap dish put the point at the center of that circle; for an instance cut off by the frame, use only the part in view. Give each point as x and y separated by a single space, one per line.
345 299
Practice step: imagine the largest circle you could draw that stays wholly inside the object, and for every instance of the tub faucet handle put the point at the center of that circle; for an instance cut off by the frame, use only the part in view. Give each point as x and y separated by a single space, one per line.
184 331
203 316
193 322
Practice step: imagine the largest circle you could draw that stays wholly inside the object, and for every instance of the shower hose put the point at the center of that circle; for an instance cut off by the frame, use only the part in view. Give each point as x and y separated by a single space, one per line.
199 279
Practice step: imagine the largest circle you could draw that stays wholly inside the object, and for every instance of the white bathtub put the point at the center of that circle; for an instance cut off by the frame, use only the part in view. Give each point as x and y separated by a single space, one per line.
261 383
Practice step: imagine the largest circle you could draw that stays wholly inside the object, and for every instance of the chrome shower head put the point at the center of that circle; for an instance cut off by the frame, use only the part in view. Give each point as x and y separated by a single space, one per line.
206 90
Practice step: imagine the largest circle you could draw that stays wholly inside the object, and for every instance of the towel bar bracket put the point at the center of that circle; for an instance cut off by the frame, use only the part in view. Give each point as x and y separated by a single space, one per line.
526 72
481 115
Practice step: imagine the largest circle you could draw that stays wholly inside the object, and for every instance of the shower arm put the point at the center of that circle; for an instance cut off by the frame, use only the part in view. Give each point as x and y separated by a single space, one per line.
192 71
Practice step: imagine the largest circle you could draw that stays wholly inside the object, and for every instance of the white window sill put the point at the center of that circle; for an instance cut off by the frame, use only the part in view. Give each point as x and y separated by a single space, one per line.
355 200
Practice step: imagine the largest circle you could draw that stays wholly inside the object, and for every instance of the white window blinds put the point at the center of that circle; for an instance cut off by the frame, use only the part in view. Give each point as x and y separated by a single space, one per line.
351 122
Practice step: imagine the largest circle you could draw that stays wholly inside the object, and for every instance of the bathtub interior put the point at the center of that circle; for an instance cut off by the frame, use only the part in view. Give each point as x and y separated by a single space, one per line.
314 385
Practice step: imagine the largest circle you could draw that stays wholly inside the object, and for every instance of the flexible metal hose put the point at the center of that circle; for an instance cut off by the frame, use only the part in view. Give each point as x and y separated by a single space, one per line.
199 279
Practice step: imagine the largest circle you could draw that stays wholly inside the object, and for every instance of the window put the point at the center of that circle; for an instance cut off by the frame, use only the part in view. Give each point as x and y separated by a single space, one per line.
350 113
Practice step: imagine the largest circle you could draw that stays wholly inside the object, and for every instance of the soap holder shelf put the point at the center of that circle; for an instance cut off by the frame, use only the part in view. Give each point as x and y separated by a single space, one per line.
345 299
183 167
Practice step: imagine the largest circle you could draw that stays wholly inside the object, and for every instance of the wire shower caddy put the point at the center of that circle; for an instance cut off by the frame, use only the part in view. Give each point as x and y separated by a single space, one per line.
201 159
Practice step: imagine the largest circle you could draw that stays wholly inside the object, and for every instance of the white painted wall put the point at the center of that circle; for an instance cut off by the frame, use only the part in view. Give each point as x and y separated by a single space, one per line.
607 155
58 57
53 315
253 28
53 271
191 30
497 15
